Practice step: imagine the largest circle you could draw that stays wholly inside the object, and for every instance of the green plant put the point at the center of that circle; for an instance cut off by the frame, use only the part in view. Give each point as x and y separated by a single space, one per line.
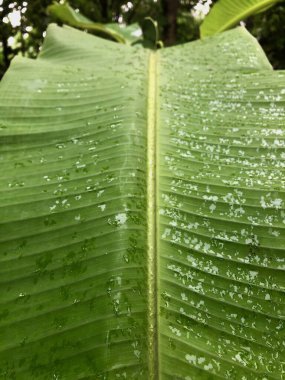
142 211
146 35
228 13
65 14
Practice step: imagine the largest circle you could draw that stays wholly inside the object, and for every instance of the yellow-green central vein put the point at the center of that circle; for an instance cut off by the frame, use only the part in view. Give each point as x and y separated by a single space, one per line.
151 219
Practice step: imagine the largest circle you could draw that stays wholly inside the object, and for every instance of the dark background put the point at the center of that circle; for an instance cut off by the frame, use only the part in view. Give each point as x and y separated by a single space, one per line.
177 19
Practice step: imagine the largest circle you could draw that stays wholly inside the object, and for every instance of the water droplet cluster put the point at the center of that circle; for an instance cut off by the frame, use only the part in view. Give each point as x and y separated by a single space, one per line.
222 210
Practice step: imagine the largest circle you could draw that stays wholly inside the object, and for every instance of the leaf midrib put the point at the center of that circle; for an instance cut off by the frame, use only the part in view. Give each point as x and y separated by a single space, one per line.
153 362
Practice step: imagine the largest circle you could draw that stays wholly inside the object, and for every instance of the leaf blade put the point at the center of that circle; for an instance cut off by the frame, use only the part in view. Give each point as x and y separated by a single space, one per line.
221 269
227 13
72 222
67 309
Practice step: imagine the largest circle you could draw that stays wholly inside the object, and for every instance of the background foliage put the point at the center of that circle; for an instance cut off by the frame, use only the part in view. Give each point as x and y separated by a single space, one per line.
24 23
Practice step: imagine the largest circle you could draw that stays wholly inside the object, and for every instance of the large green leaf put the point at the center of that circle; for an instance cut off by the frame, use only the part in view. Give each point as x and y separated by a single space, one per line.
227 13
142 211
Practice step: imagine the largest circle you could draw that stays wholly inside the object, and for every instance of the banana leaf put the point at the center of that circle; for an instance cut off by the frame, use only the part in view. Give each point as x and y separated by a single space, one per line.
132 33
65 14
142 211
228 13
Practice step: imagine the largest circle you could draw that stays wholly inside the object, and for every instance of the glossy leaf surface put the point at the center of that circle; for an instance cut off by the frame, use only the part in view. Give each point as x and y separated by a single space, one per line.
142 211
228 13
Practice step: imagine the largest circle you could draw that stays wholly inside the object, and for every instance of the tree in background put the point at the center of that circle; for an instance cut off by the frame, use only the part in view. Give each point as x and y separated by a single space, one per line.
22 28
268 27
24 23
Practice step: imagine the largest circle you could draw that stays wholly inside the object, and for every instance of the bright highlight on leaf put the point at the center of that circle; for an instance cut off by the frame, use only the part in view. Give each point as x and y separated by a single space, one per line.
228 13
142 211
